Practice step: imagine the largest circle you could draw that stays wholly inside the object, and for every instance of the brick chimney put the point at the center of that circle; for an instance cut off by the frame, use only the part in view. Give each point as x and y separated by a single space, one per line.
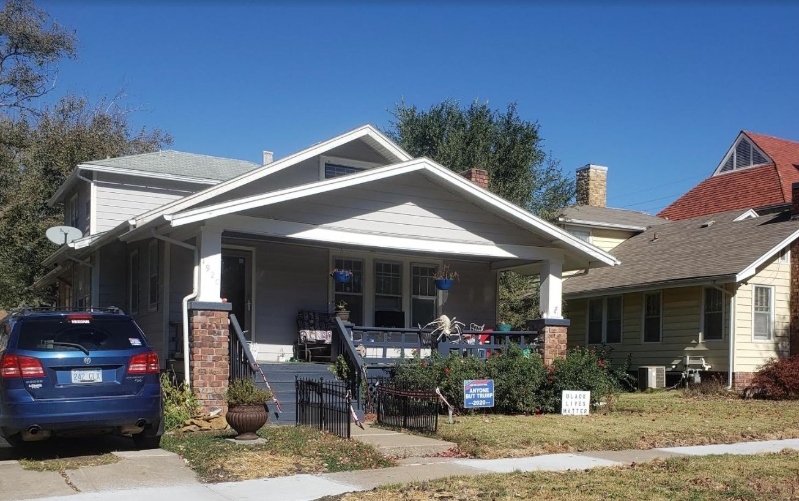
592 185
795 201
477 176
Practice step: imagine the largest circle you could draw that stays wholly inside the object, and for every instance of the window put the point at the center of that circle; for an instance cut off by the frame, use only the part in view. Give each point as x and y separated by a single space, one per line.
604 320
744 154
713 315
762 316
388 294
652 317
584 235
71 215
351 292
785 256
152 286
133 280
335 170
423 294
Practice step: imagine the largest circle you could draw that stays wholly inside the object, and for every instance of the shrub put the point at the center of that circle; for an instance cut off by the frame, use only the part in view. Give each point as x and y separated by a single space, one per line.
517 378
180 403
244 392
711 387
779 379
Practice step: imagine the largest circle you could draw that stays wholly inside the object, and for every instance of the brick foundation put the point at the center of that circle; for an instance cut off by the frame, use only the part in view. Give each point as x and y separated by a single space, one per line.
552 334
209 349
740 380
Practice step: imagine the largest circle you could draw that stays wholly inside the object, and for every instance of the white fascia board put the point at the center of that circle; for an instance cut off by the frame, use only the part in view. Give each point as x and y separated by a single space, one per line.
751 213
283 163
68 182
56 256
598 224
311 232
142 231
305 190
752 268
49 278
150 175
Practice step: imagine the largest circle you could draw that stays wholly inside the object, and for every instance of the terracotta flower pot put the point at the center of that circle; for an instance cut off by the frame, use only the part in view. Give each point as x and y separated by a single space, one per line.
246 420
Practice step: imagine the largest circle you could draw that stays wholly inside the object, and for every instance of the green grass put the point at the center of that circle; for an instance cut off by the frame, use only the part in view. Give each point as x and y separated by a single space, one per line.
636 421
768 476
288 450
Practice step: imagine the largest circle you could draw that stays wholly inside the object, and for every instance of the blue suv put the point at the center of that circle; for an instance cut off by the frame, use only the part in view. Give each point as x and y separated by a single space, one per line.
78 373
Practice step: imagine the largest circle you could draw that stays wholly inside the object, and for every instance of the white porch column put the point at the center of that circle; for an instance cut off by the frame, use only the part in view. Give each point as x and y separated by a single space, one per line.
210 240
551 293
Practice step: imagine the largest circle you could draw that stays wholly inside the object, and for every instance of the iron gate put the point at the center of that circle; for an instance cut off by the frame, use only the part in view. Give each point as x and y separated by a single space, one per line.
324 405
407 408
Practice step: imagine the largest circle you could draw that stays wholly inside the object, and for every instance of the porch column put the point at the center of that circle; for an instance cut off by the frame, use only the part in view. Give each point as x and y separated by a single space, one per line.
550 293
209 353
210 239
552 337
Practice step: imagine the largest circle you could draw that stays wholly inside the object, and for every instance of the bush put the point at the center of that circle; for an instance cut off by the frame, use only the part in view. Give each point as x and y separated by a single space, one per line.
711 387
244 392
180 403
779 379
517 378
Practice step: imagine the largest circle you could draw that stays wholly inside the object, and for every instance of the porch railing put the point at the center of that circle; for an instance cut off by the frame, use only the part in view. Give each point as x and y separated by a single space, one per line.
242 363
343 345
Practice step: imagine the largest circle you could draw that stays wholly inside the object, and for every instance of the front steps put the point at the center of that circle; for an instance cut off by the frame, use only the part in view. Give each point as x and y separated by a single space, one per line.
281 379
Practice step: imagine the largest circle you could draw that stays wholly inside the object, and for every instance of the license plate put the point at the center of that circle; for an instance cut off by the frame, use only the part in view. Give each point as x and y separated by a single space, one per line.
87 376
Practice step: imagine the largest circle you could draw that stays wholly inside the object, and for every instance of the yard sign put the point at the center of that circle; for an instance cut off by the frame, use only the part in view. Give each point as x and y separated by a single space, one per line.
575 403
478 393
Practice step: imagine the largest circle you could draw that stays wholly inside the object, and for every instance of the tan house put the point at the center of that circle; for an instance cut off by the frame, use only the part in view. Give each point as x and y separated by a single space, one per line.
710 292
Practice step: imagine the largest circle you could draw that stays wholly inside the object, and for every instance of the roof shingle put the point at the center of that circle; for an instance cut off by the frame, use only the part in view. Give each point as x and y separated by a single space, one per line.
608 217
178 163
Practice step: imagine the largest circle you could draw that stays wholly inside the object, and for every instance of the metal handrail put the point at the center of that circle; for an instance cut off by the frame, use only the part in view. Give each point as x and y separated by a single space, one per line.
238 347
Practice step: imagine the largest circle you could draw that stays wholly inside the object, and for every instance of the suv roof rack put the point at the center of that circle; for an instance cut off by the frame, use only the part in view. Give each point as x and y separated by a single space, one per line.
52 309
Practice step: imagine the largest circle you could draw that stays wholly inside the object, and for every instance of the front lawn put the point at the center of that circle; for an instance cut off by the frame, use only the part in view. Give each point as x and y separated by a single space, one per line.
288 450
637 421
767 476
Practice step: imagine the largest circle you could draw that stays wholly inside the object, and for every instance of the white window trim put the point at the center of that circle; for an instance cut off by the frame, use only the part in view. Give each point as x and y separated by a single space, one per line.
152 306
702 317
604 320
771 314
643 317
436 298
784 256
131 274
346 162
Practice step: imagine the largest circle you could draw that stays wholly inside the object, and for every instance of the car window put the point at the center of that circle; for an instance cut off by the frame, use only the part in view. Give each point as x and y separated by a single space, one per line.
57 334
5 330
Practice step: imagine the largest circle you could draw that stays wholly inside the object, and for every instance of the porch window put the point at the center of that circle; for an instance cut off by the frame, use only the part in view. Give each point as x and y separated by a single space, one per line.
604 320
388 295
352 291
713 315
423 294
152 254
133 281
652 317
763 315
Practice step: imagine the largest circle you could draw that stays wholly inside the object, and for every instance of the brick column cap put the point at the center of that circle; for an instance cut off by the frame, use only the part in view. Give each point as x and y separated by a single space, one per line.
210 306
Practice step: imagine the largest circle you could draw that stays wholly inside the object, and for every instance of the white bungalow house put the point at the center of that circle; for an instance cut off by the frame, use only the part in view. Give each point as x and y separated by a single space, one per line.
171 234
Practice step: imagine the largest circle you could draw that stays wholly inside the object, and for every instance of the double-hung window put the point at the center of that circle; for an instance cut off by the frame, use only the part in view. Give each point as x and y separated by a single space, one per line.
763 314
423 294
388 294
713 315
652 317
604 320
350 292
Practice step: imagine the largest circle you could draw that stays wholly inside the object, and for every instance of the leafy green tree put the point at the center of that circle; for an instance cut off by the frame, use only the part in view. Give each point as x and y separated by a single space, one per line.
510 149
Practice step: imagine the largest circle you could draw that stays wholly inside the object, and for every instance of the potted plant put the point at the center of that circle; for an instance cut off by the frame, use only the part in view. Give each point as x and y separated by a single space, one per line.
342 312
341 276
246 411
445 278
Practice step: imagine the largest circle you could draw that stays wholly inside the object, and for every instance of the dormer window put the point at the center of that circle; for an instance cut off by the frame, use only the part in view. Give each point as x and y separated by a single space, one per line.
742 155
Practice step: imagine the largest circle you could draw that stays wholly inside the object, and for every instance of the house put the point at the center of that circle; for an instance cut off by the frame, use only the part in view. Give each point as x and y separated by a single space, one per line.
715 283
181 240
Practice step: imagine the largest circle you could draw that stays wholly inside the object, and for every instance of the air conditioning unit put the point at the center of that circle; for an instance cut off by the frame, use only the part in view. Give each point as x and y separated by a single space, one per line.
651 376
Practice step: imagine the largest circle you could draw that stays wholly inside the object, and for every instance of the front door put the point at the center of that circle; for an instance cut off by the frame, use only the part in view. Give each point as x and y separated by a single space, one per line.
236 286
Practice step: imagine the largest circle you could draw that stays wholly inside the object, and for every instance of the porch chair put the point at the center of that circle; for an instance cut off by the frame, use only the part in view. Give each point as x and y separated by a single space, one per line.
315 335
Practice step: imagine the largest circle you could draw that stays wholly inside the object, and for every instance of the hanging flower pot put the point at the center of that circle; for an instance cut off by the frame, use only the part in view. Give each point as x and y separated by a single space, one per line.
444 284
445 278
341 276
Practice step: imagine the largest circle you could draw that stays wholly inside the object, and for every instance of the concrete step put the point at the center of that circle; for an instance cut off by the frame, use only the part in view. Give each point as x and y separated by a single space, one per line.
400 445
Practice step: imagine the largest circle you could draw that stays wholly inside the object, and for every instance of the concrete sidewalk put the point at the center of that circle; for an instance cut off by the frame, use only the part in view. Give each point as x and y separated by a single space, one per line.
309 487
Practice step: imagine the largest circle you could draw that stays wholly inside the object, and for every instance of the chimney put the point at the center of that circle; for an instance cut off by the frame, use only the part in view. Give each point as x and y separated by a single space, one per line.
269 157
592 185
477 176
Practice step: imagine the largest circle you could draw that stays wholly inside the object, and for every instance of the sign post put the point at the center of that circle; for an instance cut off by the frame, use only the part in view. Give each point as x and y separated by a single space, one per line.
478 393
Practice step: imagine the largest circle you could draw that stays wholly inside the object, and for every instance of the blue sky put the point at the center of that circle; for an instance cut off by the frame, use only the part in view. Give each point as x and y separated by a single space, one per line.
657 93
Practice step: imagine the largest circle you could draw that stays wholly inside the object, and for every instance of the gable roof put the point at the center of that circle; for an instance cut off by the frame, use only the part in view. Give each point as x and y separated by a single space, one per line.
368 133
754 187
690 250
165 164
557 237
607 217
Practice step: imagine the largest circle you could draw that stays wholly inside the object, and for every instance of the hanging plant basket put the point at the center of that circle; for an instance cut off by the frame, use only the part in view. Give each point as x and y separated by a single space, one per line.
341 276
444 284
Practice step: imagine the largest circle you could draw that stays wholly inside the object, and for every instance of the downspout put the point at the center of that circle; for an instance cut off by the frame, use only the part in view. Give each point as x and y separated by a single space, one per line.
731 309
184 302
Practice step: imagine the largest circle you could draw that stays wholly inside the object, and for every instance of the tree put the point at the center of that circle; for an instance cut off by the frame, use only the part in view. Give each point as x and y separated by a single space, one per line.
506 146
30 47
37 153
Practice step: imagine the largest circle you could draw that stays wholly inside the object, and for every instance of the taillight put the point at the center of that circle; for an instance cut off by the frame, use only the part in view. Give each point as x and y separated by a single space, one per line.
144 363
13 366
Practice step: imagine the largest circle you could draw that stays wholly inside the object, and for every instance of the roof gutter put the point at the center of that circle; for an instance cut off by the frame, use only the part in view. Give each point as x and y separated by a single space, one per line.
597 224
667 284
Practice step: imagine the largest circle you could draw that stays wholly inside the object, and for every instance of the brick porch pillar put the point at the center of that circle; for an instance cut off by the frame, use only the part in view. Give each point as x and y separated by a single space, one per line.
551 337
209 353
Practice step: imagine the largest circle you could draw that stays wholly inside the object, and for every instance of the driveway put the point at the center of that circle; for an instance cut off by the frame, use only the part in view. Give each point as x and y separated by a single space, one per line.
128 468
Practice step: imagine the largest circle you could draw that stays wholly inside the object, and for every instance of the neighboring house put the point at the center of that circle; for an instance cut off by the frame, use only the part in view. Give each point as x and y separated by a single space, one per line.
184 235
715 286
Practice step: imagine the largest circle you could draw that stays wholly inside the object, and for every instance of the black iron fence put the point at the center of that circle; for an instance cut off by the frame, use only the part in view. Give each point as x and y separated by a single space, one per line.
406 408
324 405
